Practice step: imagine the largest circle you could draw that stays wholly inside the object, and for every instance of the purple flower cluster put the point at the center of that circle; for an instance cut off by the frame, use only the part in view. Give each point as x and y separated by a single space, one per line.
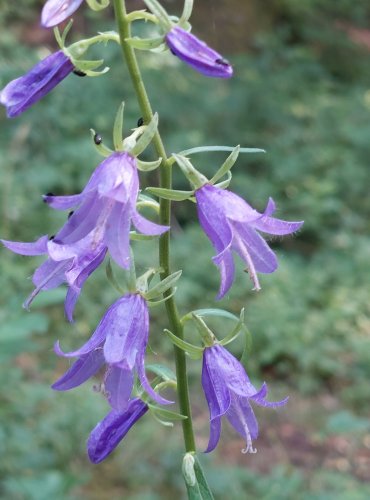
100 221
232 224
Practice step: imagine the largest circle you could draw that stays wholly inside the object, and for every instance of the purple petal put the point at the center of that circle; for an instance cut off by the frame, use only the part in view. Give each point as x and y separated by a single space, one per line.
118 386
214 385
242 418
146 385
145 226
38 247
112 429
214 434
260 396
225 263
50 274
197 54
250 245
57 11
117 236
21 93
63 202
126 331
80 371
75 289
119 179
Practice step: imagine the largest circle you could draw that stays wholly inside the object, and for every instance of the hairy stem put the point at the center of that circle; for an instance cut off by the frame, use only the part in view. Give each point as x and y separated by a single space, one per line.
124 30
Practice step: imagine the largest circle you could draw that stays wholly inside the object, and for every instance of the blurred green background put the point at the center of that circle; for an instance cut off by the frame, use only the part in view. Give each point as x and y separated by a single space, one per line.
301 91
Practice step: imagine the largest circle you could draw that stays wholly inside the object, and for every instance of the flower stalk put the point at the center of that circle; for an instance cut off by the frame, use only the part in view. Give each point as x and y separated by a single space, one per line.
124 30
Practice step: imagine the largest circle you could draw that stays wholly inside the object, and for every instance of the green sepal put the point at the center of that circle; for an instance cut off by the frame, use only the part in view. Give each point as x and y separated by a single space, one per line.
97 5
192 174
224 184
210 312
170 194
141 15
164 285
154 303
148 166
145 43
141 237
88 66
226 166
207 149
160 13
186 13
162 371
112 279
235 331
118 128
61 38
194 351
147 202
101 148
206 334
146 137
166 414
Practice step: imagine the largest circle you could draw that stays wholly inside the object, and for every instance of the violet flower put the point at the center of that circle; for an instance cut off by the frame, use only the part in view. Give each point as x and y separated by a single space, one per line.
231 224
55 12
102 220
106 436
228 391
119 341
22 92
197 54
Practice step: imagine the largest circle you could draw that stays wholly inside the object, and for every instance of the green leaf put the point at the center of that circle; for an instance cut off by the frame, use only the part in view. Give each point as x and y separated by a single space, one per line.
163 371
148 166
226 166
146 137
144 43
191 349
118 128
207 149
163 285
195 480
170 194
210 312
166 414
205 491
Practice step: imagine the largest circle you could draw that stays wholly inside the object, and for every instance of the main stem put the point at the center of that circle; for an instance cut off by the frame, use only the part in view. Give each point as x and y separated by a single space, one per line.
124 30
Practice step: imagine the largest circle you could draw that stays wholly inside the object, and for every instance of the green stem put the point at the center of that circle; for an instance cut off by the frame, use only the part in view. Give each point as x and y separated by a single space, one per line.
124 29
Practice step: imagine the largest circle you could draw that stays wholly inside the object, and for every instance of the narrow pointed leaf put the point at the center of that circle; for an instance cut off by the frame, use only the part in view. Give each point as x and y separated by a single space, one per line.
141 237
163 285
210 312
235 331
204 488
145 139
226 166
159 12
166 414
163 371
186 13
207 149
148 166
185 346
170 194
154 303
118 128
144 43
224 184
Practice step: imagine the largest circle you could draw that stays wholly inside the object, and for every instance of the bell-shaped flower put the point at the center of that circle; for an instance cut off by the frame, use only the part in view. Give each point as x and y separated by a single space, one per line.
232 224
24 91
229 391
55 12
102 220
197 54
119 341
108 433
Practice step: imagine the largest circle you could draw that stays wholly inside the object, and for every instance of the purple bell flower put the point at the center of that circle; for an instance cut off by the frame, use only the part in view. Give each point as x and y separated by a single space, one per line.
119 341
106 436
231 224
55 12
101 221
197 54
228 391
22 92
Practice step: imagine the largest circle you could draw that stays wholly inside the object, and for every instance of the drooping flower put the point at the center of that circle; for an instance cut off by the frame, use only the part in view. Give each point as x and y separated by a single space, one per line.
55 12
106 436
197 54
119 341
102 220
229 391
232 224
24 91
